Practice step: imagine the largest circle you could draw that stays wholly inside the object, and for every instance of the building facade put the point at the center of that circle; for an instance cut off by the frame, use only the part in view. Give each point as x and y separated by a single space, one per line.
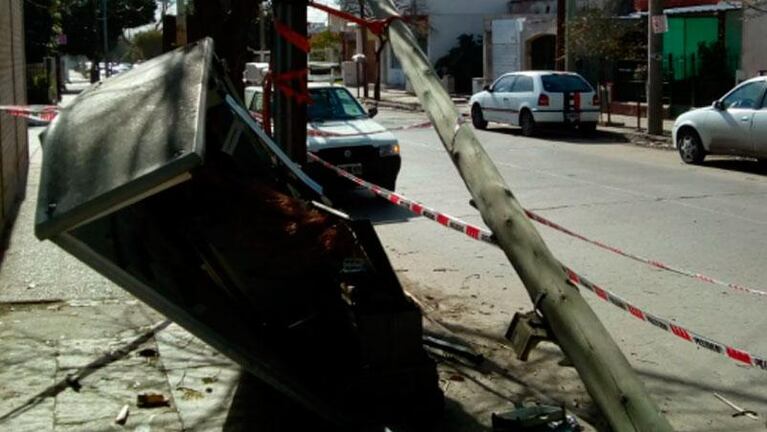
754 54
14 158
439 23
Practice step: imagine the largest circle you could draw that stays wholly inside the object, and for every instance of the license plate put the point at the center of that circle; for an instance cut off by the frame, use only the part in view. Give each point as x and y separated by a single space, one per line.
355 169
573 117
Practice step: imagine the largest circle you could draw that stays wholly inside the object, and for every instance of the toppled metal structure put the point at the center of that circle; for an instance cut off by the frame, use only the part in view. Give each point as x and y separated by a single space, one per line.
161 181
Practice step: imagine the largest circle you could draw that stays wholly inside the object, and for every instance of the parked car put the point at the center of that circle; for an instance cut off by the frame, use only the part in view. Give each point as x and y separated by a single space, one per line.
343 133
537 98
736 124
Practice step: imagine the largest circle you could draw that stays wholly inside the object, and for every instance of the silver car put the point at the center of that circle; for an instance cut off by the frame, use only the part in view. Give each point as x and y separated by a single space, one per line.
736 124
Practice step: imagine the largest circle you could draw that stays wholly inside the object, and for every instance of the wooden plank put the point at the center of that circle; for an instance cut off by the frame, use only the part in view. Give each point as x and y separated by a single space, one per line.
608 377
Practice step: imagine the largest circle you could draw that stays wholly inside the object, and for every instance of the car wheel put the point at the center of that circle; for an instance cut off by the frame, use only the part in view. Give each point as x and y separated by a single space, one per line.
690 149
476 117
388 183
527 123
587 128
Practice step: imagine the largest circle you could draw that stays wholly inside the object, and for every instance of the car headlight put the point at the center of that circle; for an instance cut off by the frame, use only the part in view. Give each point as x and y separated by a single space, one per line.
388 150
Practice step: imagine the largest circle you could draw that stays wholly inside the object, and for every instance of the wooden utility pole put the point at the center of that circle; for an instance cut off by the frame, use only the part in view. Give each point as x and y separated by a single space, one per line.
569 46
290 112
262 32
609 378
655 28
560 44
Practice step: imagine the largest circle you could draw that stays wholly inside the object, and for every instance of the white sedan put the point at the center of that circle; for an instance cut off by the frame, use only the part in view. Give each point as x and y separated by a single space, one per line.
736 124
534 98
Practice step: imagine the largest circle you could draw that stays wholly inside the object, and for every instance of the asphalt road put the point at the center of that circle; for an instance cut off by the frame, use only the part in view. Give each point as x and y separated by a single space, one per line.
711 219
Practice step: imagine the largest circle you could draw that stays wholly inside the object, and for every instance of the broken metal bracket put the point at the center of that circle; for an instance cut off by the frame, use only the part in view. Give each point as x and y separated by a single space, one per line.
525 332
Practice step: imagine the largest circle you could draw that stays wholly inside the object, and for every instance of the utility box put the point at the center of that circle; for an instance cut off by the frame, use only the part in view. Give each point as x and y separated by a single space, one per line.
160 180
350 73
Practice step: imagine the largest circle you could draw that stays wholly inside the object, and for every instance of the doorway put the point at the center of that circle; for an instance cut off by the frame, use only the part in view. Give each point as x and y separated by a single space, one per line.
541 52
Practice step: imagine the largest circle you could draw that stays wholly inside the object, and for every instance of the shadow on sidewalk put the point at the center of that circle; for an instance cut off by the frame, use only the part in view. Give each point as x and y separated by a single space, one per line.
746 166
257 406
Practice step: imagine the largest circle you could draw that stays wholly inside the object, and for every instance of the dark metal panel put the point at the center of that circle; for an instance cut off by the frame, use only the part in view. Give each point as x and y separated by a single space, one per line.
130 135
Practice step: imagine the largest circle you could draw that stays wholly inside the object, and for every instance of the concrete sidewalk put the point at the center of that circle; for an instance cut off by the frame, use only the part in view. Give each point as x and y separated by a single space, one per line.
59 318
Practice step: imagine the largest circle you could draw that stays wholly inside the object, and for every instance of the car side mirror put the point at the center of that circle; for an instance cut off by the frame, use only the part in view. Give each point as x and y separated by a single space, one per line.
372 111
487 87
718 104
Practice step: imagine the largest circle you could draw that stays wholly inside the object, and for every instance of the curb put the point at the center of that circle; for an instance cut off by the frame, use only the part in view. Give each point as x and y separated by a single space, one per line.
662 142
404 106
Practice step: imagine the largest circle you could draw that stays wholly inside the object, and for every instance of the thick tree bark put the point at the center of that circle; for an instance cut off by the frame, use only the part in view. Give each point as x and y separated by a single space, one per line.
609 378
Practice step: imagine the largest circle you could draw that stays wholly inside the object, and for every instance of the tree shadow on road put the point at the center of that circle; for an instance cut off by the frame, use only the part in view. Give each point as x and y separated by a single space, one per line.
599 137
361 204
746 166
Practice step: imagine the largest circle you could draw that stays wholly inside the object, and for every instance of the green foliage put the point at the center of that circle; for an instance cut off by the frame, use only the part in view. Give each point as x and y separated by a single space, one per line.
42 23
146 45
82 24
325 39
38 87
597 34
463 62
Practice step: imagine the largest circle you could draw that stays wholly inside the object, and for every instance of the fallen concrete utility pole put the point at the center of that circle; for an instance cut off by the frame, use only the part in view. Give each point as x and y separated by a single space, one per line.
609 378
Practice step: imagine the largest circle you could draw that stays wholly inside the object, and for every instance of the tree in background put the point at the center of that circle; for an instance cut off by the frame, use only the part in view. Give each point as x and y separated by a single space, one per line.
463 62
81 22
145 45
229 24
598 34
42 24
324 41
409 8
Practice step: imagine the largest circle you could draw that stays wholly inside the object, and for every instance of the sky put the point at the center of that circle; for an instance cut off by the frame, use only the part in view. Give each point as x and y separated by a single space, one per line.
314 15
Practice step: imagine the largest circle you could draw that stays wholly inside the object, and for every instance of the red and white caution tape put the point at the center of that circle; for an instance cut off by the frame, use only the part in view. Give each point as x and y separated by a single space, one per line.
681 332
654 263
478 233
317 132
320 133
472 231
39 113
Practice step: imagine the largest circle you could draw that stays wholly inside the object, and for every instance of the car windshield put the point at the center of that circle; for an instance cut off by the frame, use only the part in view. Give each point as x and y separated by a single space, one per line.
333 103
564 83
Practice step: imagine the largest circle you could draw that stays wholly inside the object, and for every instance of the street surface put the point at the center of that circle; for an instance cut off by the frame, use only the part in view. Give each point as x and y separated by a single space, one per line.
711 219
59 318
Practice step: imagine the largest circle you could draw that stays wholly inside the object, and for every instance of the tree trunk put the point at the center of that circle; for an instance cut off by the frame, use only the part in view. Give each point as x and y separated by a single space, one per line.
609 378
379 51
228 26
95 72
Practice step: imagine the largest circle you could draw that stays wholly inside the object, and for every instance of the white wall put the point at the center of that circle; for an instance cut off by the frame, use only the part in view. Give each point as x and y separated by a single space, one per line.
448 19
464 7
445 29
753 52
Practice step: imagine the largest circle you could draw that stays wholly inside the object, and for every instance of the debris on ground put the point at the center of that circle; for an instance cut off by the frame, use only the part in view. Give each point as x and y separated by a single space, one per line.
738 410
152 400
534 419
122 416
148 353
190 393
